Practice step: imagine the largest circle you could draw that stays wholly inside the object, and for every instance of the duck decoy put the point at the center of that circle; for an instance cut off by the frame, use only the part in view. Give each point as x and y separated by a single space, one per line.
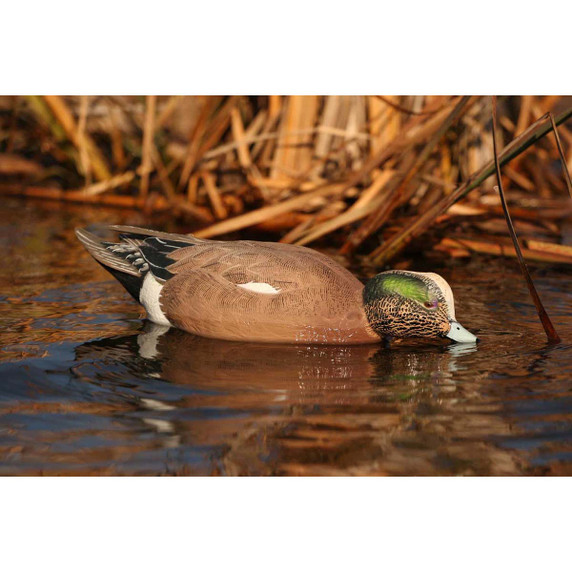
271 292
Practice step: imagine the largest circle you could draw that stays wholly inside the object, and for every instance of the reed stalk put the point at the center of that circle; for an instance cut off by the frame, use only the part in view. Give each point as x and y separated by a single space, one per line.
551 334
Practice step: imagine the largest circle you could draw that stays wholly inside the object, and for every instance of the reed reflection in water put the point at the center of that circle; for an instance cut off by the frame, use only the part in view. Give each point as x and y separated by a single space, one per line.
86 387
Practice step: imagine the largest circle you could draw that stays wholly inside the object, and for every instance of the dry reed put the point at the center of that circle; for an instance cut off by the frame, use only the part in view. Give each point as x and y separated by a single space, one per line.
372 173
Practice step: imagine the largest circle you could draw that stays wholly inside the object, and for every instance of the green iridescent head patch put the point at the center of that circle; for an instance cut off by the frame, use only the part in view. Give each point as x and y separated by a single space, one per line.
399 284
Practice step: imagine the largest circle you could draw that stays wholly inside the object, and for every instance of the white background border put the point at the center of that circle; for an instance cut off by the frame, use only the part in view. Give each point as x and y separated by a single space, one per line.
296 48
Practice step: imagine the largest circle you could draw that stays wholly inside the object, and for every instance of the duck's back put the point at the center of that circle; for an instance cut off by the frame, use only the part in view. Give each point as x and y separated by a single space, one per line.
267 292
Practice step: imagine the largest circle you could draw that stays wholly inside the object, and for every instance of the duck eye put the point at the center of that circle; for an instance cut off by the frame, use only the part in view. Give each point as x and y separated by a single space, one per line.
432 304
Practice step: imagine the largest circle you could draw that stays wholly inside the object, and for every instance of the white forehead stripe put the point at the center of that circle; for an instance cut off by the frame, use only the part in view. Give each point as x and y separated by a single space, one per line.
260 287
444 287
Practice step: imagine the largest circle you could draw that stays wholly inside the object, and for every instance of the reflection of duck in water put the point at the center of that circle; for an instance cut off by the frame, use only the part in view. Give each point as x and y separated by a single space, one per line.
264 408
184 359
209 363
271 292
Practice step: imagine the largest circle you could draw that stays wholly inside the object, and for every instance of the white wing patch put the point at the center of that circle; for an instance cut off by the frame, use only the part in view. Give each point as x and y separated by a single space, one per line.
260 287
149 298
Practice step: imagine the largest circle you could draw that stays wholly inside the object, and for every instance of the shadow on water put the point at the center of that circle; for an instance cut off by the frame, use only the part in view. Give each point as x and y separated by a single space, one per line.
86 387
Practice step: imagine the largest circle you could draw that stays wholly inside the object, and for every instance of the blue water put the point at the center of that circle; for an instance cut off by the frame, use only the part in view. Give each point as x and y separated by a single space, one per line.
88 387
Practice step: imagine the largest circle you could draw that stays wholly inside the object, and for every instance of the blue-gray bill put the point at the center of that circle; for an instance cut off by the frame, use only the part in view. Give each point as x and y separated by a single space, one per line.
460 334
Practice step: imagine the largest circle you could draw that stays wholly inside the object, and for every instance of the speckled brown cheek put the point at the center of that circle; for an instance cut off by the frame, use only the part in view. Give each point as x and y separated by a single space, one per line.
401 318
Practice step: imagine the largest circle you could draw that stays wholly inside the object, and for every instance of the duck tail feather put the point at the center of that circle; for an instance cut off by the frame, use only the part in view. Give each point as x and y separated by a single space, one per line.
103 255
142 233
127 274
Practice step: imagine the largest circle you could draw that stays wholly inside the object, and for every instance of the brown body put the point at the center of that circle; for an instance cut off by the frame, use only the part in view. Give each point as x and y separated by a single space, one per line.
270 292
318 300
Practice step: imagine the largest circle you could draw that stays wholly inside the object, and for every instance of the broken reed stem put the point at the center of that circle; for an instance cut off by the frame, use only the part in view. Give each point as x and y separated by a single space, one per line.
237 127
268 212
94 195
517 146
195 139
63 116
551 334
103 186
213 193
215 130
162 173
375 220
168 110
148 132
562 157
81 128
534 249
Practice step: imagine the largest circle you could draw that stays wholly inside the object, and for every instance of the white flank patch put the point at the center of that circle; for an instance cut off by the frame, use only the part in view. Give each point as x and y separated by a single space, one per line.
149 298
260 287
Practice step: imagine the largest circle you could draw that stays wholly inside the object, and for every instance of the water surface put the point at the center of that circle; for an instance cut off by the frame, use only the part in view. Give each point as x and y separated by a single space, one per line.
89 387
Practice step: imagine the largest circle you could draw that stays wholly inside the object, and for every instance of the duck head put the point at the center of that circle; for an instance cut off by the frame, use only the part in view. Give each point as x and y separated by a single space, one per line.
404 304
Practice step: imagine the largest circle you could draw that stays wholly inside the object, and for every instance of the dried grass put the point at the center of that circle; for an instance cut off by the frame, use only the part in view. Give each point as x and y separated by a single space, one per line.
372 173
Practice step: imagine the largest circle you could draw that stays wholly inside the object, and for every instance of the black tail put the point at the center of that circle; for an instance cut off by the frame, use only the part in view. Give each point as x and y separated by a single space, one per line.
132 284
139 252
126 273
